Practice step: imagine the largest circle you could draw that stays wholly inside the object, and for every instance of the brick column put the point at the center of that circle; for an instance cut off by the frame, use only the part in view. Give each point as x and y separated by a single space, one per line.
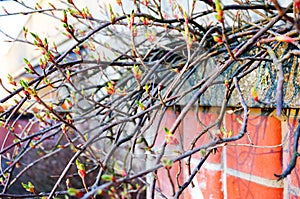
245 168
249 170
292 182
208 182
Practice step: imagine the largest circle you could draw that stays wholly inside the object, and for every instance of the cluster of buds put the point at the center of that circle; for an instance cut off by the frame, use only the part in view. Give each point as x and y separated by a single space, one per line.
47 81
219 11
170 138
75 192
186 33
85 13
67 104
225 133
80 169
150 35
29 68
28 187
69 118
38 6
25 31
27 90
64 128
43 63
145 21
167 163
11 80
39 117
71 2
44 47
110 88
137 72
112 14
76 50
226 83
37 41
68 27
108 178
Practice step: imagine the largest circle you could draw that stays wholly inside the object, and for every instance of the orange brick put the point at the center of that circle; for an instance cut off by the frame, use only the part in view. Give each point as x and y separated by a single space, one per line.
8 139
263 162
210 183
164 182
238 188
167 121
191 129
207 184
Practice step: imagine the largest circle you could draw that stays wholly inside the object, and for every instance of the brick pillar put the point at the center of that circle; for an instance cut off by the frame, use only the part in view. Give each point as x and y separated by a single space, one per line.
164 180
250 170
292 182
239 170
208 182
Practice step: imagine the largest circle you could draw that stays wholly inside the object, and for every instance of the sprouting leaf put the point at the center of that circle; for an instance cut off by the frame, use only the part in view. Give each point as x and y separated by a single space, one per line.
167 131
223 130
75 192
167 163
146 87
137 72
24 84
11 80
79 165
140 105
203 152
229 134
219 10
108 178
28 187
171 139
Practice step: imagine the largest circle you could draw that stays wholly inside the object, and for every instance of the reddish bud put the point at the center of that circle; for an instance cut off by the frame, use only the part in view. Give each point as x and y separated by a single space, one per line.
254 94
217 39
82 173
226 83
110 88
119 2
145 2
77 50
284 38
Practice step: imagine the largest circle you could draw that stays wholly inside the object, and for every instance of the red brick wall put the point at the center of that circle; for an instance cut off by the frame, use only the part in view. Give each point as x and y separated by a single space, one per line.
237 170
8 135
